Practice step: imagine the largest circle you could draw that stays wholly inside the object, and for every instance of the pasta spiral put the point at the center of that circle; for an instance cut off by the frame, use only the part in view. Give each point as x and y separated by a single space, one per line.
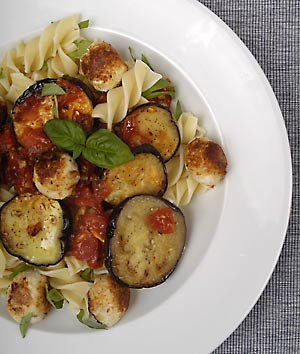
119 99
181 186
42 56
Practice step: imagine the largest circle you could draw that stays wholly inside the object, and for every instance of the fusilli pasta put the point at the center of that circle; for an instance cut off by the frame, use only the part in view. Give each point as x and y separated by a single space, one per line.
136 80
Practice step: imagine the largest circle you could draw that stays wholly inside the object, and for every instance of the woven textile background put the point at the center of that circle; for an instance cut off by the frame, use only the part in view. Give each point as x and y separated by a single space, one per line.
271 30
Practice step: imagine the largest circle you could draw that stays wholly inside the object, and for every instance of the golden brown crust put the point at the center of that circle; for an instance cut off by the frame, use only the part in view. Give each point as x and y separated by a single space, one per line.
103 66
27 294
206 161
56 176
108 300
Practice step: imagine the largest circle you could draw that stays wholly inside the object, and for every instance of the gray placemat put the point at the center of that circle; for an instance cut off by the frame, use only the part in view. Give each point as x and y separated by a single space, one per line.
271 30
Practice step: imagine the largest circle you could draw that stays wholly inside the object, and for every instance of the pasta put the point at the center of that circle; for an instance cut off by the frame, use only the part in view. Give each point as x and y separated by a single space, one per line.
46 56
181 186
41 57
136 80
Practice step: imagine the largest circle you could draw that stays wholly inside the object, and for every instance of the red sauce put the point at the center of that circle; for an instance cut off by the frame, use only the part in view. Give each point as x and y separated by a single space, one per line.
36 142
162 221
7 139
75 105
85 246
89 219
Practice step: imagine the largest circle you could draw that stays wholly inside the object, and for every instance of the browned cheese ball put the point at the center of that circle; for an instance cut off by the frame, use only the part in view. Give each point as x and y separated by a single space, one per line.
27 294
108 300
102 66
206 161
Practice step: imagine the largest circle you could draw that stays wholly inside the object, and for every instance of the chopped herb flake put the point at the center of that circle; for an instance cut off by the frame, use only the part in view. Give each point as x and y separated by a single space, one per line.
21 269
178 111
161 87
84 24
24 323
87 275
55 297
51 88
89 321
82 49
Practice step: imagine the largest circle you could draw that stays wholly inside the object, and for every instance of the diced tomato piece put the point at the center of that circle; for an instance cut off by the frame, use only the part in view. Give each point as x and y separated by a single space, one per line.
86 247
162 220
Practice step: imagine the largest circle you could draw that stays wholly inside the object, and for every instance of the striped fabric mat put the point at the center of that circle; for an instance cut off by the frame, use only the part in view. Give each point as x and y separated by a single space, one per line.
271 30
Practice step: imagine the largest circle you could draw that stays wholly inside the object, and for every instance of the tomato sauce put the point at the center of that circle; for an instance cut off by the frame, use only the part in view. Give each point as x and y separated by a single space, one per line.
89 219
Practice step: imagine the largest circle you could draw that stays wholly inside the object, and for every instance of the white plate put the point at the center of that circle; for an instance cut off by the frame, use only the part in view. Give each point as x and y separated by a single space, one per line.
235 231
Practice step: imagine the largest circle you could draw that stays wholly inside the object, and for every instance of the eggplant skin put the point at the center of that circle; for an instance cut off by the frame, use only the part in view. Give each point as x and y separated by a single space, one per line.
146 174
151 123
137 255
35 229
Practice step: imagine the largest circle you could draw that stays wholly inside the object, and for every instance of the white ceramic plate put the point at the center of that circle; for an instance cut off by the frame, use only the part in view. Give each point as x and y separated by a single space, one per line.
236 231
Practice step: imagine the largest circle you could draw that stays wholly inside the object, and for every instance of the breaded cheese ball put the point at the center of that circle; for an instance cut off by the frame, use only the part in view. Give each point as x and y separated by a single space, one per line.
57 176
27 294
102 66
206 161
108 300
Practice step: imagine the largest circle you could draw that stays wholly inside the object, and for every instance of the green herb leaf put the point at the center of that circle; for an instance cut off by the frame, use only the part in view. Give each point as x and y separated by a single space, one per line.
133 57
161 87
82 49
44 67
146 61
2 76
178 111
21 269
102 148
105 149
55 297
51 88
24 323
66 135
87 275
84 24
90 321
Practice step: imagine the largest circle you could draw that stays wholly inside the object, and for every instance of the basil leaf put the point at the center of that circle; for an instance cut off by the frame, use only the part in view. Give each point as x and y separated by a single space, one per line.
105 149
178 111
161 87
131 52
84 24
66 135
82 49
24 323
21 269
51 88
87 275
90 321
146 61
55 297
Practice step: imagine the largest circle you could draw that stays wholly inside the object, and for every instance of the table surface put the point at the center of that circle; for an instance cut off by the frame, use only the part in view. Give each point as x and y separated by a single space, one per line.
271 30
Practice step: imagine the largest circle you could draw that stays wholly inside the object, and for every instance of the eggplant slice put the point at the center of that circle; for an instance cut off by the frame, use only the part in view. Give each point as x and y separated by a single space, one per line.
145 174
138 253
153 124
32 110
34 229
